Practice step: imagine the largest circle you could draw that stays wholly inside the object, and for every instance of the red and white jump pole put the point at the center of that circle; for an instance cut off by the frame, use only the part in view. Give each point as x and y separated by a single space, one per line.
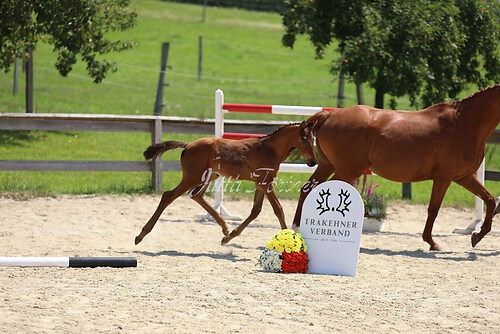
221 108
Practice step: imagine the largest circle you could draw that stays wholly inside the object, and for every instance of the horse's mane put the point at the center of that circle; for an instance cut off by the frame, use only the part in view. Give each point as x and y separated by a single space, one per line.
458 104
278 129
293 154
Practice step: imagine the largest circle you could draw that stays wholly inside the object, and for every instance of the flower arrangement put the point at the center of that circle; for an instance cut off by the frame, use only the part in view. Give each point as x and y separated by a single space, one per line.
286 252
375 204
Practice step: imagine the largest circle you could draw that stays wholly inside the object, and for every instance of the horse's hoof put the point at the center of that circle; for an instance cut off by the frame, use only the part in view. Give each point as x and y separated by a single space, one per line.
224 240
474 239
226 233
137 240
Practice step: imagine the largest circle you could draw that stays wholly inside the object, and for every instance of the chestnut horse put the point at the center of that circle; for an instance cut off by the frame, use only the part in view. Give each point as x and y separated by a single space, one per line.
252 159
444 143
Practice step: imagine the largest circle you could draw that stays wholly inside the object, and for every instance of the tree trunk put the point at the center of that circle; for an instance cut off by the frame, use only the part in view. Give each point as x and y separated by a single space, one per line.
340 95
379 98
359 93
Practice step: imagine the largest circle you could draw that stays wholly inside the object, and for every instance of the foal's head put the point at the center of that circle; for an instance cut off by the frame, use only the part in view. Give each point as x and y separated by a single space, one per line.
305 143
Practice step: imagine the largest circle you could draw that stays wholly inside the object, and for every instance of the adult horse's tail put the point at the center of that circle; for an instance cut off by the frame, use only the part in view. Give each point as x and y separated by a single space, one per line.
157 149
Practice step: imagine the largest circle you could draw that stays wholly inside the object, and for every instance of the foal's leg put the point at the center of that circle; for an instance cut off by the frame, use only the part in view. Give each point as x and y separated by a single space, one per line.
198 198
278 209
167 198
321 174
257 207
472 184
439 188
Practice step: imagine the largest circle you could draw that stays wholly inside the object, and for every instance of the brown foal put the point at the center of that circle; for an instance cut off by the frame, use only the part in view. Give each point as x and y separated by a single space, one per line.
252 159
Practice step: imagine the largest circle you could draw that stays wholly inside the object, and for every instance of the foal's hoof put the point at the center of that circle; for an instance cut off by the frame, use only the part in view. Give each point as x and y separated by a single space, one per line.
474 239
137 240
224 240
435 248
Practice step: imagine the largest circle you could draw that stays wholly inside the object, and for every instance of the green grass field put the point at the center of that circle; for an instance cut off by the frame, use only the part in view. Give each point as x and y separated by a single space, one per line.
242 54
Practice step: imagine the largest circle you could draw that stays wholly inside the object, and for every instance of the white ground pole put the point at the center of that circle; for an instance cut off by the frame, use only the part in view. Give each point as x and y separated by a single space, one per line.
35 261
478 222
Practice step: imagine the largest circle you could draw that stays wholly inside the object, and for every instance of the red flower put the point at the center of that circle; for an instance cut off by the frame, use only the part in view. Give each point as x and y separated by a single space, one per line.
294 262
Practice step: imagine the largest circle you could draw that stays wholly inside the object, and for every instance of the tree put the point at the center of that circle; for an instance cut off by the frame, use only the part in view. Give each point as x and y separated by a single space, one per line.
427 49
73 27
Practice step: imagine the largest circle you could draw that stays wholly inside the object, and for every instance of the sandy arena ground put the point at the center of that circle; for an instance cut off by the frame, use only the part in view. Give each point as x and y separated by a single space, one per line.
186 282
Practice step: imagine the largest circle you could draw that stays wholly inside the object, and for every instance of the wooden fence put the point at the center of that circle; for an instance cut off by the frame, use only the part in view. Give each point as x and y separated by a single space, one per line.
156 125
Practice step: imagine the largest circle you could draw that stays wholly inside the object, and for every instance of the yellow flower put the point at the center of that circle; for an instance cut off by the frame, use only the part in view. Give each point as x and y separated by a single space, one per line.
287 241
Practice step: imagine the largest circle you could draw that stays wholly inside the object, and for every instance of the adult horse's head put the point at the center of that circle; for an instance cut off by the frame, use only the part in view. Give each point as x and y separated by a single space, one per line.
305 143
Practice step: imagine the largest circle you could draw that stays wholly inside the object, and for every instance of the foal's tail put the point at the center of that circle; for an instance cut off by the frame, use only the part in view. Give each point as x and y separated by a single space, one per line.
157 149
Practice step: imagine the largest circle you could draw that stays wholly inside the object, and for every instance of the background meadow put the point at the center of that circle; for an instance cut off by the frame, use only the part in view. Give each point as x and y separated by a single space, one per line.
242 55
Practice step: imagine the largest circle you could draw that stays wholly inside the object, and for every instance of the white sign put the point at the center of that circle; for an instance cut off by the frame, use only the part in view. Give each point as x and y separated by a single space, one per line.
331 224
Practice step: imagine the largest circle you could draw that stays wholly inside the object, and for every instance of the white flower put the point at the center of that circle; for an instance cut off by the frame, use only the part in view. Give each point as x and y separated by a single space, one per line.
270 260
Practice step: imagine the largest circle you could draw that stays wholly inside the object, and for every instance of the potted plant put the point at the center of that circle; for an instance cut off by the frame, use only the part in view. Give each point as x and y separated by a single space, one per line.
375 205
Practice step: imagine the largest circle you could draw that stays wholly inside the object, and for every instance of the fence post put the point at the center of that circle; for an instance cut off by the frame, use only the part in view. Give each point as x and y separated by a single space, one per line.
479 202
29 82
476 224
16 75
161 80
204 12
200 56
156 164
406 190
219 130
219 183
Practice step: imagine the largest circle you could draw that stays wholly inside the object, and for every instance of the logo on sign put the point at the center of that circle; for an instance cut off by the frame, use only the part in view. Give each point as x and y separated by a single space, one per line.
342 207
328 205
